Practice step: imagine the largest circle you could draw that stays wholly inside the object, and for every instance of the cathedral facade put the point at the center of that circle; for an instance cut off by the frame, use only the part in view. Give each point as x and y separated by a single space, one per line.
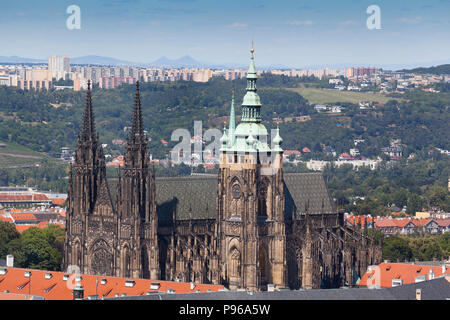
248 227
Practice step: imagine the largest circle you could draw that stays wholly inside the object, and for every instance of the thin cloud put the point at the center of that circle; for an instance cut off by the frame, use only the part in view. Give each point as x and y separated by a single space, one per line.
410 20
300 23
348 23
238 25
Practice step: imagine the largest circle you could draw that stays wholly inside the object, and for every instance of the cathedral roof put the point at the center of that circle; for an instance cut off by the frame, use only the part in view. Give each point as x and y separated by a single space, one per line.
196 196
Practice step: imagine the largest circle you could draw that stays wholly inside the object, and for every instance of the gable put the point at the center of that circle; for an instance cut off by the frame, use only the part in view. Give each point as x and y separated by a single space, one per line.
103 203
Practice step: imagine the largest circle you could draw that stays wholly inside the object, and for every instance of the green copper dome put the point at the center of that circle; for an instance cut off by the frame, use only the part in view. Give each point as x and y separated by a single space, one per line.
250 135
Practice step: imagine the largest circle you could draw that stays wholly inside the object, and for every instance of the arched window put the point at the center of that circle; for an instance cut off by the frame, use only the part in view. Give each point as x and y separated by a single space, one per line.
145 264
262 200
126 262
76 255
235 262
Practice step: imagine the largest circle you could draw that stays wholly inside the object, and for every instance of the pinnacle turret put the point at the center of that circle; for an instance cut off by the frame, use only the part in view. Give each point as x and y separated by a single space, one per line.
232 126
88 130
137 128
251 106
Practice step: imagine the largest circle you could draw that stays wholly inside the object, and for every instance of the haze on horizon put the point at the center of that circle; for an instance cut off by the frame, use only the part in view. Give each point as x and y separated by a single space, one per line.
289 33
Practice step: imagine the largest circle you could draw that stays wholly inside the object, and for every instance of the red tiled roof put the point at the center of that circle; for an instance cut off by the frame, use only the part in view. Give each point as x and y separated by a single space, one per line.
58 201
383 274
56 288
6 219
359 220
443 222
401 223
20 198
13 296
382 223
289 152
23 217
23 227
306 150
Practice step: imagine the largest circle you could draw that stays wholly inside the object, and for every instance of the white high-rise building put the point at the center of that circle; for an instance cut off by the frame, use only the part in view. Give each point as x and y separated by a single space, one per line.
59 66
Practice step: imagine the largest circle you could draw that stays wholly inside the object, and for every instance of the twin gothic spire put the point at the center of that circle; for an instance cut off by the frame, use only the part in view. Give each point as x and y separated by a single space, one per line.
137 128
88 130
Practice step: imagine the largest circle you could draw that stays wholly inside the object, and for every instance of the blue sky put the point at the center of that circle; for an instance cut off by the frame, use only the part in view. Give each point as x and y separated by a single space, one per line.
293 33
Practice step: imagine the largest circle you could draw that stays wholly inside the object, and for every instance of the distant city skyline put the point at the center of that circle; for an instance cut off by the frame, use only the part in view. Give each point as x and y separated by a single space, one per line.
294 34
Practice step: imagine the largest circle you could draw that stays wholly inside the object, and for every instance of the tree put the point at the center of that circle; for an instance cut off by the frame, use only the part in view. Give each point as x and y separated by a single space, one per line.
39 248
396 248
8 233
414 204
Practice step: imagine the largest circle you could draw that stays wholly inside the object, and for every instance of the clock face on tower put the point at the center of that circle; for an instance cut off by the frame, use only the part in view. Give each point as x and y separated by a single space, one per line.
236 191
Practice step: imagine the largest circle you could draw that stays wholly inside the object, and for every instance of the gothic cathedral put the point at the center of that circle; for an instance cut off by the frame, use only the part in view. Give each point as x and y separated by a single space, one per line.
247 227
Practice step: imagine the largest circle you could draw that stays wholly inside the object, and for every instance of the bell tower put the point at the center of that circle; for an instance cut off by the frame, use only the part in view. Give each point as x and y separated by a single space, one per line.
138 243
91 216
250 200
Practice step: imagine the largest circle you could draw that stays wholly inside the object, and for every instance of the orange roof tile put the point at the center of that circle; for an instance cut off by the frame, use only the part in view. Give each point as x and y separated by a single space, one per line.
289 152
58 201
13 296
23 227
54 287
20 198
23 217
6 219
383 274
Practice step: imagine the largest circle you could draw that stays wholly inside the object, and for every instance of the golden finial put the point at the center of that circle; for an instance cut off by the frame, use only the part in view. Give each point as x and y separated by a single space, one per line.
253 47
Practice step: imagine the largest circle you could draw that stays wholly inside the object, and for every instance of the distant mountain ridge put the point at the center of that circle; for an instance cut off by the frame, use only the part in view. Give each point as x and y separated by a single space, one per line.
437 70
99 60
16 59
441 67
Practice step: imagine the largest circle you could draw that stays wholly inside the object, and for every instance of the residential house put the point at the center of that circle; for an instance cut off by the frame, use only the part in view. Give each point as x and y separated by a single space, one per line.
387 275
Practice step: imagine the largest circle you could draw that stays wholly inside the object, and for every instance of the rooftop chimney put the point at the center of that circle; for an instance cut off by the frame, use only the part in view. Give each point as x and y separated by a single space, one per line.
418 294
78 291
10 261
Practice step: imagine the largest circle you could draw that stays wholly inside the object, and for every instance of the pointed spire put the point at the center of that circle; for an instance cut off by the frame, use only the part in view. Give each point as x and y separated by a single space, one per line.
88 130
251 105
252 69
232 126
137 128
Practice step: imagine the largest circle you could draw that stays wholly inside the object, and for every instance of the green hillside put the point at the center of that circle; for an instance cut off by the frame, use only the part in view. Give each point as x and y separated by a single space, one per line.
438 70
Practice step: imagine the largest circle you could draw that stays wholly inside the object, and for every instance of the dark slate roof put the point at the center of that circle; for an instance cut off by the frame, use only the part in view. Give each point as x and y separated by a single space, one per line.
437 289
306 190
198 194
185 194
